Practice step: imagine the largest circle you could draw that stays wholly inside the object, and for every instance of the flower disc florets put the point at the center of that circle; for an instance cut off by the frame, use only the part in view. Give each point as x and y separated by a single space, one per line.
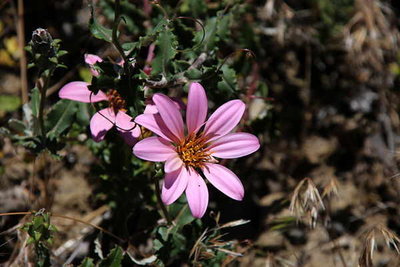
193 151
116 102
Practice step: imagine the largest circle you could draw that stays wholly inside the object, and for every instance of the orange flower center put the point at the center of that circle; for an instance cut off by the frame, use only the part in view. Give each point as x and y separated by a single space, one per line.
116 102
193 151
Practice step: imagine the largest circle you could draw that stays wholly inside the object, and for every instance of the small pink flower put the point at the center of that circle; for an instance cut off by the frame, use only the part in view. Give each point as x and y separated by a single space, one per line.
186 156
91 59
103 120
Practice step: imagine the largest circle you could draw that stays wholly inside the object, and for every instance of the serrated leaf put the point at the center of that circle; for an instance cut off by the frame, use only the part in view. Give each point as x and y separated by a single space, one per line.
229 81
114 258
87 262
165 52
60 117
98 30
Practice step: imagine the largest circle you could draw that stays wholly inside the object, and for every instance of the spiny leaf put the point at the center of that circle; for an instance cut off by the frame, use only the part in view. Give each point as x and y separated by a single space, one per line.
166 50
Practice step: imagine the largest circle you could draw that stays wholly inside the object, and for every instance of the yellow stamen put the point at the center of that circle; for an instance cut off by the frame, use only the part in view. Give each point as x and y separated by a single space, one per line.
193 151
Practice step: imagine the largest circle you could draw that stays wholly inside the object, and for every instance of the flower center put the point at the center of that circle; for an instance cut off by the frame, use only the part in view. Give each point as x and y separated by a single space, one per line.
116 102
194 152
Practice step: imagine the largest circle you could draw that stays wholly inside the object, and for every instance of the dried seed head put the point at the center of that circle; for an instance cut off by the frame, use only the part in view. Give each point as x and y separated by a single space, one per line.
390 238
306 202
331 188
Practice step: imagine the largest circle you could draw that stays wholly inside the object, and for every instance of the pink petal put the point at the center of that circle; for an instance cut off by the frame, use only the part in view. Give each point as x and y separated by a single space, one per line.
154 149
91 59
154 123
94 72
224 119
235 145
124 122
173 164
150 109
131 137
224 180
79 91
101 122
174 184
170 115
197 194
197 107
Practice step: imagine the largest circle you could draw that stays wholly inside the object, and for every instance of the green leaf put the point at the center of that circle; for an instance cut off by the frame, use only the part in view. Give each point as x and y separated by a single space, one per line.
166 51
98 30
229 81
17 125
193 74
9 103
60 117
35 101
113 259
87 262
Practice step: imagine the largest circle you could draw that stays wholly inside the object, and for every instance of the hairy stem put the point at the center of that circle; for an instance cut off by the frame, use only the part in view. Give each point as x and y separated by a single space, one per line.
43 90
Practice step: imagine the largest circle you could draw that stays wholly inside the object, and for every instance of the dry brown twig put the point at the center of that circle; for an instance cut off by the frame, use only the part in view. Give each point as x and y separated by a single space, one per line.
21 45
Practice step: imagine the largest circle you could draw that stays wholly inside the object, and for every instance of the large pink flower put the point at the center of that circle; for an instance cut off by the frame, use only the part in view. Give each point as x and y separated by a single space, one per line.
103 120
190 156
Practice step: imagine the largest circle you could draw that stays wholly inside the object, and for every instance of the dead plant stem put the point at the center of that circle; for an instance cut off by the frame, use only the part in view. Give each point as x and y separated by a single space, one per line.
21 44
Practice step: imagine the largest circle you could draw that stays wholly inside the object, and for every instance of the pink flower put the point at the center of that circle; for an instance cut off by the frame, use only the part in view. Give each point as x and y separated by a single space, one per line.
103 120
91 59
189 157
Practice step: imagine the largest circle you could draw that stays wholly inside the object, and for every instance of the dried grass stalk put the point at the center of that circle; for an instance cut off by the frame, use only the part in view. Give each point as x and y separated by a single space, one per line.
306 202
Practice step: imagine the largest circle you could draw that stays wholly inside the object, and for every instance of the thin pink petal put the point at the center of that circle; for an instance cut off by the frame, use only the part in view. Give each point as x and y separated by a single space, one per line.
174 184
197 194
79 91
101 122
173 164
170 115
224 180
91 59
224 119
154 149
124 122
235 145
197 107
154 123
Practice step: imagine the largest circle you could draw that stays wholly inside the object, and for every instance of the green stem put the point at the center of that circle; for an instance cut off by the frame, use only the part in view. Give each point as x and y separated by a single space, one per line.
115 40
43 90
159 200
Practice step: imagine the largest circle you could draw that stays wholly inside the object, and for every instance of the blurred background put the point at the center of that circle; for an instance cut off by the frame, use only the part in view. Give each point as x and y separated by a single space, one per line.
323 96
